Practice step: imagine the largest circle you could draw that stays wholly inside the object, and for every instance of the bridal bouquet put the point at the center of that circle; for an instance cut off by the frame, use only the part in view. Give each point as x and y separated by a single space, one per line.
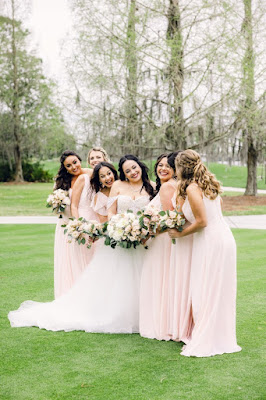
171 219
149 219
58 200
125 230
83 231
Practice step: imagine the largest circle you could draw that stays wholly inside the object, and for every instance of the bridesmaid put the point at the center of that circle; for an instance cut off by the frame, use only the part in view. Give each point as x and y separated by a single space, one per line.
83 193
96 155
154 287
180 317
65 267
103 177
213 264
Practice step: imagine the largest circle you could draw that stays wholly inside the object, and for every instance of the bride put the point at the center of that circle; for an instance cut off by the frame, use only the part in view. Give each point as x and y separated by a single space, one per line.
106 296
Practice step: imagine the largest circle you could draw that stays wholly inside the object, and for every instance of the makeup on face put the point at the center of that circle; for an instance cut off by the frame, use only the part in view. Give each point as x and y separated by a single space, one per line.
164 171
72 165
132 170
95 158
106 177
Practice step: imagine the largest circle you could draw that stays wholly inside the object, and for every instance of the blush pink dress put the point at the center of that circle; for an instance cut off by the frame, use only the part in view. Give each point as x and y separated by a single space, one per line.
180 316
70 259
154 286
212 285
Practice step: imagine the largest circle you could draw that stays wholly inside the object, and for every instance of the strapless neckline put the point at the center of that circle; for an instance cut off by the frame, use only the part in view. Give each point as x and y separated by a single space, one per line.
129 197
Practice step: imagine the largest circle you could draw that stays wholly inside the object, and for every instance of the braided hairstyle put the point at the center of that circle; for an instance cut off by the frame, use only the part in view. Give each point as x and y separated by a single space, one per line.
145 178
95 179
191 169
63 178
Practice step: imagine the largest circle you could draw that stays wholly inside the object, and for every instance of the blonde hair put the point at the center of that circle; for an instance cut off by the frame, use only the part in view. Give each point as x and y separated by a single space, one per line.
104 153
191 169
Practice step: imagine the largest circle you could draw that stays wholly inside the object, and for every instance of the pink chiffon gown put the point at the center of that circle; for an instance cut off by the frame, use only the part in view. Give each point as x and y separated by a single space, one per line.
154 286
180 316
70 259
212 285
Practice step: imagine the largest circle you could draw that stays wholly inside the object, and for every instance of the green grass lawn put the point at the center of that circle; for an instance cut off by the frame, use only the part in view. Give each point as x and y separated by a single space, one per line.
25 199
30 199
37 364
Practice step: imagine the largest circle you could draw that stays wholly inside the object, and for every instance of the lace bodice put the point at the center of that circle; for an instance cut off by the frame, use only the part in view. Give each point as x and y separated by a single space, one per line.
125 203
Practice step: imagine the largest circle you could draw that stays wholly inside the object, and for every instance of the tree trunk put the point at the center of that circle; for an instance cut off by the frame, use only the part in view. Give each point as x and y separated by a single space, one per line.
131 130
176 131
15 106
251 188
249 109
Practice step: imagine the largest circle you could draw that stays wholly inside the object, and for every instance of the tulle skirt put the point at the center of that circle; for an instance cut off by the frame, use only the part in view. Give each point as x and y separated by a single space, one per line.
104 299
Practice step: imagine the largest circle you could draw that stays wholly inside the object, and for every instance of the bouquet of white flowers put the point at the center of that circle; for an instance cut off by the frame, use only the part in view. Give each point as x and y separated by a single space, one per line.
125 230
58 200
149 219
83 231
171 219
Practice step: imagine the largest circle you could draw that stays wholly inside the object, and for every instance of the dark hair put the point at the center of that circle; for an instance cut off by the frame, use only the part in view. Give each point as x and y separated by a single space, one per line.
95 179
158 181
63 178
171 159
145 178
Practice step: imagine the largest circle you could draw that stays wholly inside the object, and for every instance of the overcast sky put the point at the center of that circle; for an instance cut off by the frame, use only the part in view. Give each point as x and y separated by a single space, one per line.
50 23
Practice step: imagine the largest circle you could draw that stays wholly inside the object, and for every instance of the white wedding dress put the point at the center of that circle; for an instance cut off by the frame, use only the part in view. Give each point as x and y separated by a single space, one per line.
104 299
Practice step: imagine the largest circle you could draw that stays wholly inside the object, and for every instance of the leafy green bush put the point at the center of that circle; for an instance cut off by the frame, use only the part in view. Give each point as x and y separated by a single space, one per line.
6 174
32 172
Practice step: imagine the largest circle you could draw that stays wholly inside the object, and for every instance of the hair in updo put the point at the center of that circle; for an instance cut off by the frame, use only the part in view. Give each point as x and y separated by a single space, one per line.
145 178
95 179
191 169
63 178
98 148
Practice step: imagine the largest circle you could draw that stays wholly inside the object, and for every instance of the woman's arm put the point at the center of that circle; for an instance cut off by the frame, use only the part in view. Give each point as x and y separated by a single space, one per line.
166 194
197 206
115 190
76 193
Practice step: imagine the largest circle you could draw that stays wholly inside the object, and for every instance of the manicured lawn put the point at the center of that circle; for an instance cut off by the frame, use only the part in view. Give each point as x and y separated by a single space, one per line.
36 364
235 176
25 199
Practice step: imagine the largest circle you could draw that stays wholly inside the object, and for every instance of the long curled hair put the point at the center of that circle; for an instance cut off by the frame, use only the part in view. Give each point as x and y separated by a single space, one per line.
158 181
191 169
98 148
145 178
63 178
95 179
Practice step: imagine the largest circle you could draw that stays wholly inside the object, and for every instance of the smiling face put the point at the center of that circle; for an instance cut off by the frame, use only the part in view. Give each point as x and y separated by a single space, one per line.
164 171
132 171
95 158
72 165
106 177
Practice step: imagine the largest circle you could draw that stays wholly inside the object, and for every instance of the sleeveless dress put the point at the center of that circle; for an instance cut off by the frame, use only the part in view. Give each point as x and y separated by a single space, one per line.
180 316
212 285
154 308
70 259
104 299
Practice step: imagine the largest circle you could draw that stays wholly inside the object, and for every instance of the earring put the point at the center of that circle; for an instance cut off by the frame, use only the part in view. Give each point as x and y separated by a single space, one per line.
127 179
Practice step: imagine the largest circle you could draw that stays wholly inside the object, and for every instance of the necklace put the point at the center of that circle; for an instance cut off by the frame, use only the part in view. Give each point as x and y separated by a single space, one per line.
136 190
